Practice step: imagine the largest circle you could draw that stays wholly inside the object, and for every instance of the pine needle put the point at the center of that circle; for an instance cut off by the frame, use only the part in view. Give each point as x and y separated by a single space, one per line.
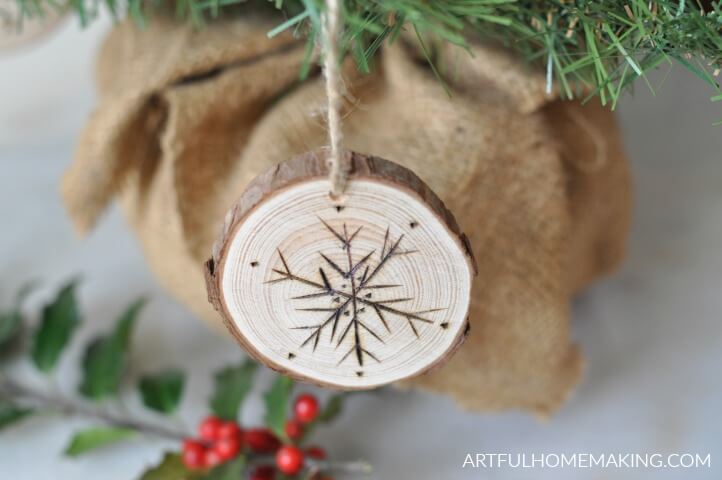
599 45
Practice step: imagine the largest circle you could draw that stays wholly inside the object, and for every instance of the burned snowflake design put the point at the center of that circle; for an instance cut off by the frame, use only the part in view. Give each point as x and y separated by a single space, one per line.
350 288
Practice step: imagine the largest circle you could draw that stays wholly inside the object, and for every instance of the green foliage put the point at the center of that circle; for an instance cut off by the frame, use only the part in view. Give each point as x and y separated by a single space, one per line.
232 384
59 321
162 392
232 470
332 409
103 365
170 468
104 359
10 413
583 44
11 320
329 413
10 323
94 438
277 399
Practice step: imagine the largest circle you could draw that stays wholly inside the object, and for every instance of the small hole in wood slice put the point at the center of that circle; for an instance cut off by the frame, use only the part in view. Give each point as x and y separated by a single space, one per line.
254 264
359 374
444 325
291 356
339 208
414 224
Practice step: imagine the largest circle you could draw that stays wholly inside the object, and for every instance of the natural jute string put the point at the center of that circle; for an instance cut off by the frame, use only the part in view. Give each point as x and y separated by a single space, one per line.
338 162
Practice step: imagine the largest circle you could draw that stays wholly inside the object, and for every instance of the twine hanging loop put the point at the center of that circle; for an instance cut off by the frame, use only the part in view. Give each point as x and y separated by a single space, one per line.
338 162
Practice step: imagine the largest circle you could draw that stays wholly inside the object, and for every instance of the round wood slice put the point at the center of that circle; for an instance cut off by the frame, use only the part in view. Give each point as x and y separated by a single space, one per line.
351 293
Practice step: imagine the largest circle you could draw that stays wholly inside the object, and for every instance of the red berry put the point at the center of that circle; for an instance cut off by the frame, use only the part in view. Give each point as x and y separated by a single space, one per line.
316 452
306 408
294 429
193 454
261 440
230 429
227 448
263 472
209 427
211 458
289 459
192 444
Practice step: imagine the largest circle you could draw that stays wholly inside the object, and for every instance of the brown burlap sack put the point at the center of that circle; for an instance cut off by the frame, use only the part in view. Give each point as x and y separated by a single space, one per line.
187 118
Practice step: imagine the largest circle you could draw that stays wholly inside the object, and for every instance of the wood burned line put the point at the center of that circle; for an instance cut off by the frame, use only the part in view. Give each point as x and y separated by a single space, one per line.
358 299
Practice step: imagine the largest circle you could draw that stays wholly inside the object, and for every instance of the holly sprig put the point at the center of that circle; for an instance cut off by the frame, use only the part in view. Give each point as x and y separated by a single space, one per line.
222 448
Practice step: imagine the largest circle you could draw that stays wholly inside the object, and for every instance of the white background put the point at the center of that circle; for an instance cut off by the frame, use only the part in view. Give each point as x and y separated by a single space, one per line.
652 333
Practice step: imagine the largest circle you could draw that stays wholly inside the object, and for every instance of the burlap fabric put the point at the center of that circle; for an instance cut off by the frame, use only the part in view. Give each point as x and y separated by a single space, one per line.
187 118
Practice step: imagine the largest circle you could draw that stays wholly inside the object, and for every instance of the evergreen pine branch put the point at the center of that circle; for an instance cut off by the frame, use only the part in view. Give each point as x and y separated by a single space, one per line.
600 45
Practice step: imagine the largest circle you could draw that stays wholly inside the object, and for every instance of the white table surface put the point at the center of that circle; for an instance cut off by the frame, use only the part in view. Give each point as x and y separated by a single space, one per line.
652 332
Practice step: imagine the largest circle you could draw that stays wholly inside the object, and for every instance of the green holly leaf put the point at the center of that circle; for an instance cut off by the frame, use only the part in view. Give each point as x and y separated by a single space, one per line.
277 399
329 413
59 320
232 385
170 468
332 409
232 470
162 392
104 359
10 323
10 413
93 438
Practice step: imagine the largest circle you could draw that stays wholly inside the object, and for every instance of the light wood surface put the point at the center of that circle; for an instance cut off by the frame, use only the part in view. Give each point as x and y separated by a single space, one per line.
351 293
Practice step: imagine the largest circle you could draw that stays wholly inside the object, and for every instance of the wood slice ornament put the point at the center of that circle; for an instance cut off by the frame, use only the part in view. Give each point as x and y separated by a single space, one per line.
351 292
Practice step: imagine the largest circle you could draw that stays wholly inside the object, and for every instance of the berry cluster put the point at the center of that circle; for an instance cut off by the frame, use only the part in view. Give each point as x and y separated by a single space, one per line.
219 441
305 411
